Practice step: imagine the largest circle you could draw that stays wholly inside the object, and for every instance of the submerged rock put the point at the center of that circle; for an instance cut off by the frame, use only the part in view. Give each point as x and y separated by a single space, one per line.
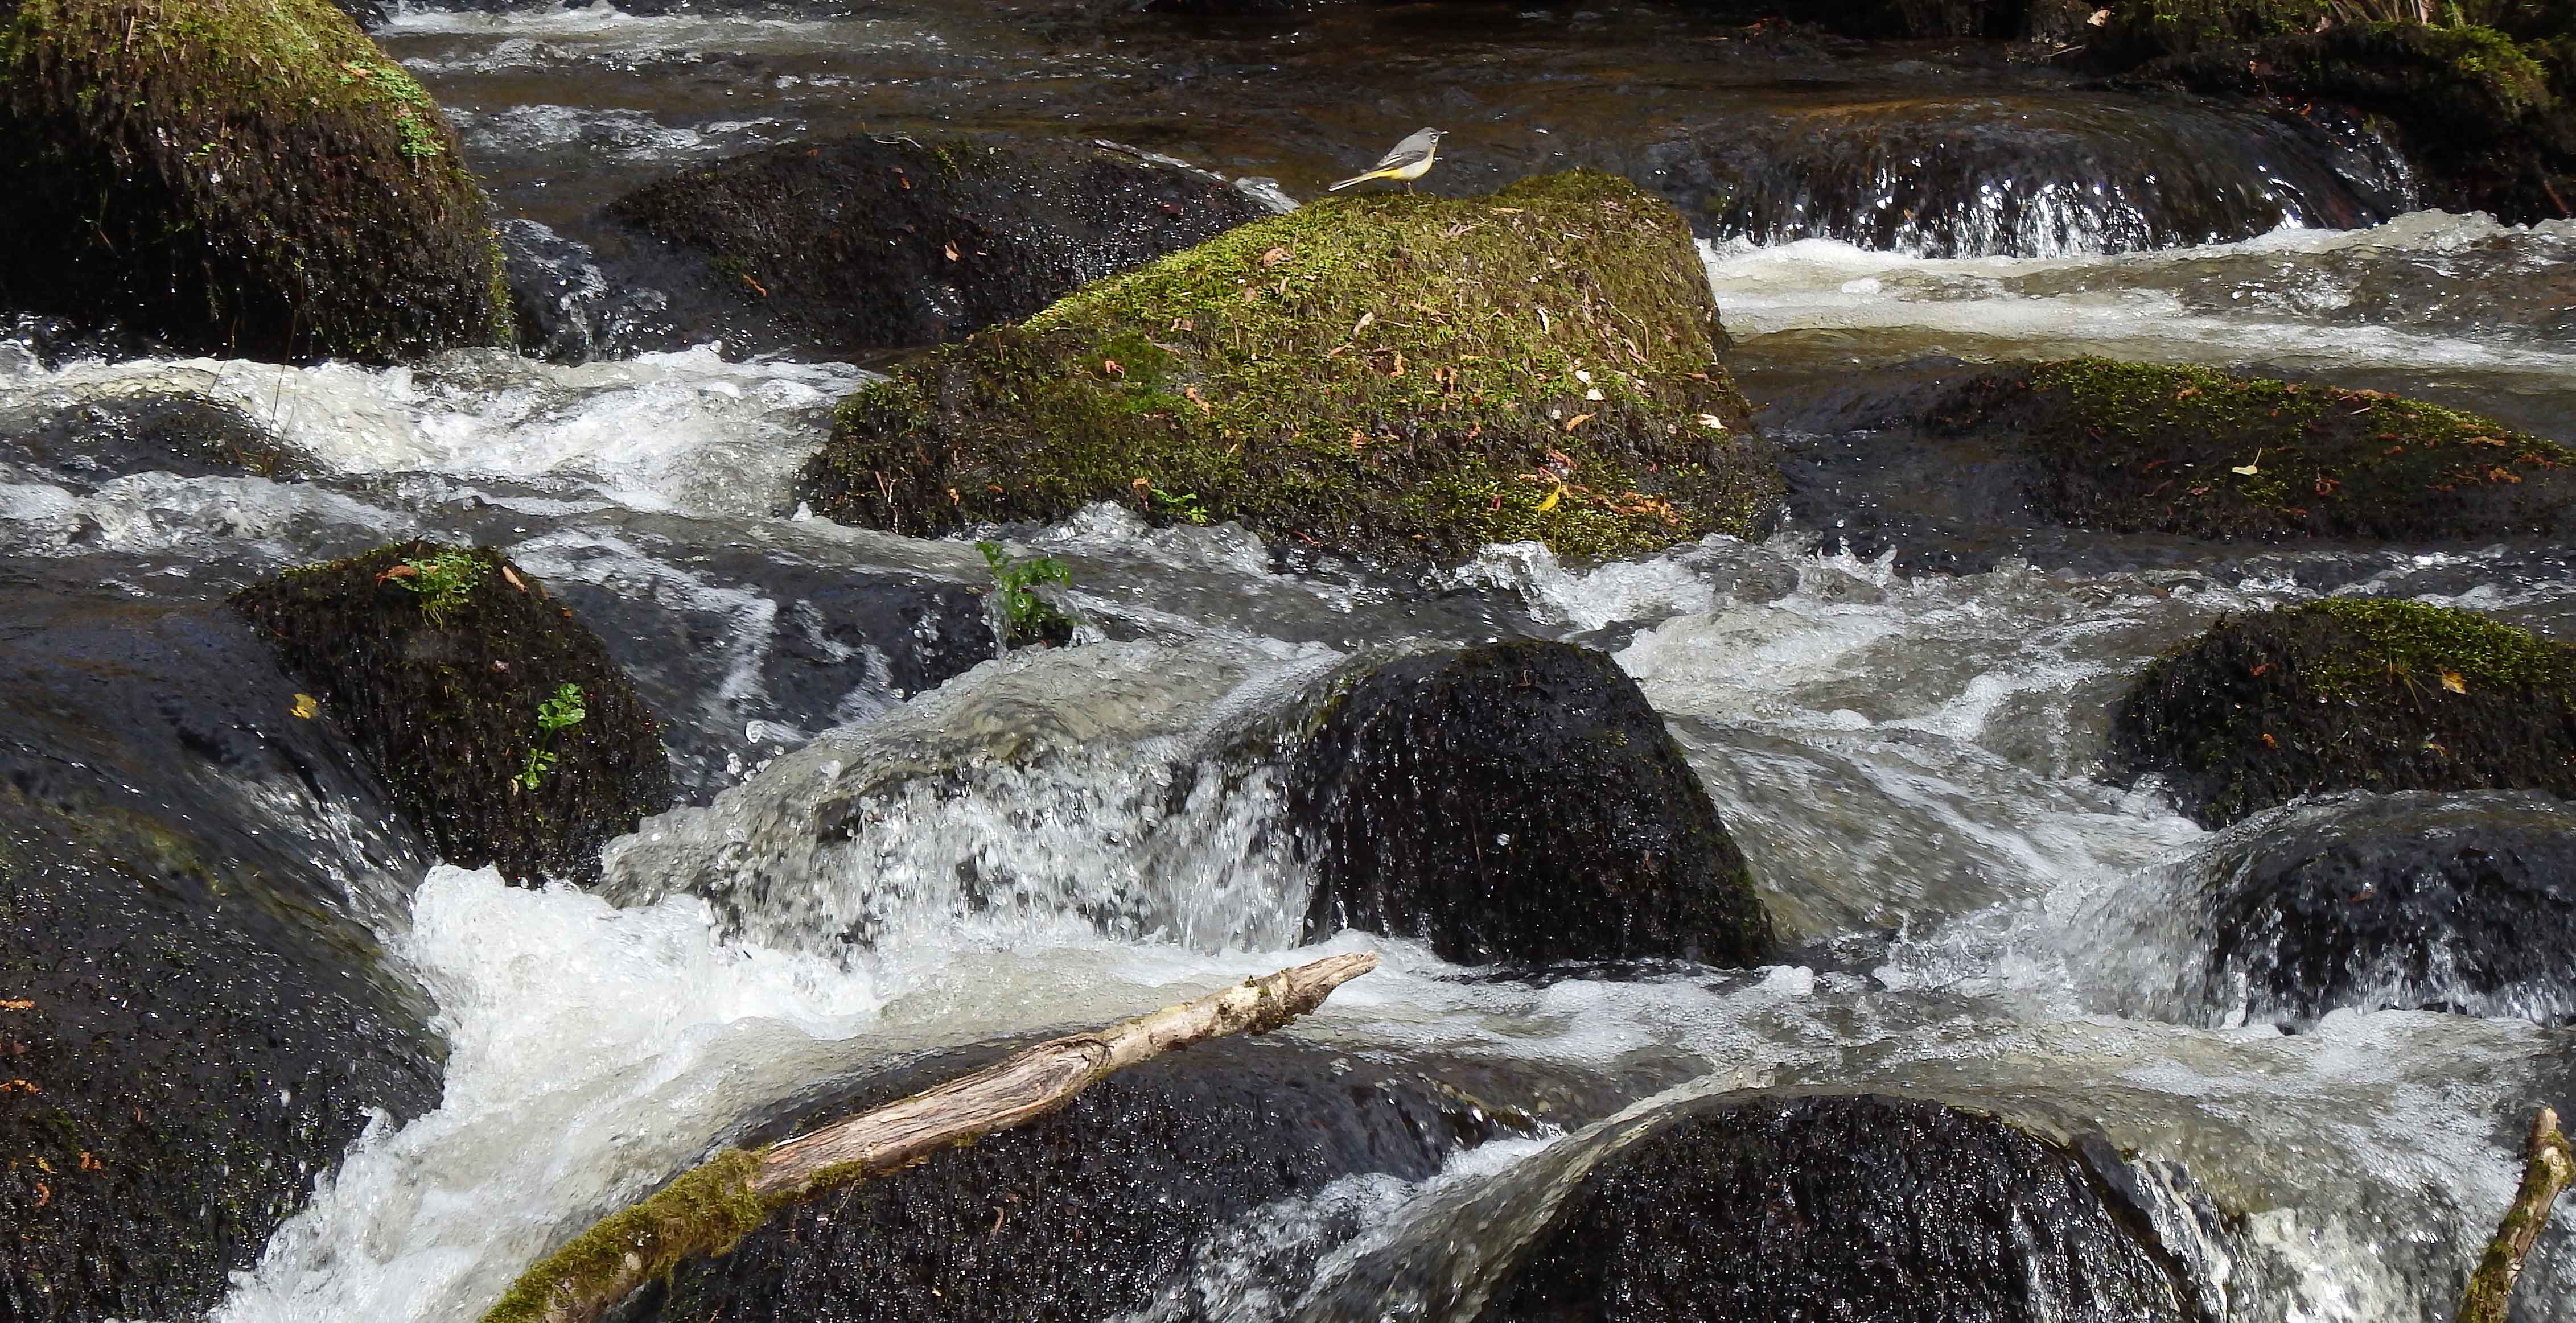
113 434
238 179
454 670
1393 375
1890 1209
2406 902
1103 1208
2350 694
1521 802
2146 448
195 1019
865 243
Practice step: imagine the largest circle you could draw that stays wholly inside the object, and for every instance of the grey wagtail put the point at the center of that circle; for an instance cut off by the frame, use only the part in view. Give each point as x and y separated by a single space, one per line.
1408 160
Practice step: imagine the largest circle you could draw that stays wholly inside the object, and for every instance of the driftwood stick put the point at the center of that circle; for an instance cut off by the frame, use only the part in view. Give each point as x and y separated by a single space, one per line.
708 1210
2547 1164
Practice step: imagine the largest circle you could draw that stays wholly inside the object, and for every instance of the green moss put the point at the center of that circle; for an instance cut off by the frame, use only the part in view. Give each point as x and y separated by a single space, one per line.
2351 694
249 176
1383 375
705 1211
2136 447
2415 646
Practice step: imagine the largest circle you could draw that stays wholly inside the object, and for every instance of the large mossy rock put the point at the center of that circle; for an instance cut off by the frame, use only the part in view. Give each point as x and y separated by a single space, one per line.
238 177
1888 1209
1389 375
2148 448
2480 108
2405 902
1521 802
864 243
2350 694
195 1018
1094 1211
444 690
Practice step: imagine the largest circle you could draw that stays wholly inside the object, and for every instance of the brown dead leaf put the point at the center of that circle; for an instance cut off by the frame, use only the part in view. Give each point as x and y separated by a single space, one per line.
951 250
22 1004
1577 420
1273 258
1191 393
2451 680
1110 367
513 576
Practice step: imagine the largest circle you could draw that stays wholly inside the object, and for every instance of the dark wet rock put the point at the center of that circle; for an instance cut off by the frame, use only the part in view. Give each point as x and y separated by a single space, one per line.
443 690
864 243
570 309
195 1019
1890 1209
2350 694
2135 447
244 180
2481 113
757 653
1100 1209
1996 171
113 435
1520 802
2411 902
1282 375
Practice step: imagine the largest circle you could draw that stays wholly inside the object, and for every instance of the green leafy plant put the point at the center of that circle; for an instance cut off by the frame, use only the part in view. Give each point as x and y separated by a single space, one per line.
443 581
557 713
1184 506
1029 618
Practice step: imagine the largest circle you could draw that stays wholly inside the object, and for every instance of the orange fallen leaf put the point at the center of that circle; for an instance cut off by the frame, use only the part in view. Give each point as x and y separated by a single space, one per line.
513 576
2451 680
951 250
1577 420
1110 367
1273 258
24 1004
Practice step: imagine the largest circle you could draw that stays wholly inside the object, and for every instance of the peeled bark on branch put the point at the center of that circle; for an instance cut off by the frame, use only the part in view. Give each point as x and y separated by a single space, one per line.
2548 1162
708 1210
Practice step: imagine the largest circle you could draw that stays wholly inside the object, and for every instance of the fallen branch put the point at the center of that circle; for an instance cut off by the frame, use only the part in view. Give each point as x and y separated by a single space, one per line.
2547 1164
708 1210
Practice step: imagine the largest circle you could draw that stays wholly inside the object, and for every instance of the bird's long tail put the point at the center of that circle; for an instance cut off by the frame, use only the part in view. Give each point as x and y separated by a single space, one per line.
1358 179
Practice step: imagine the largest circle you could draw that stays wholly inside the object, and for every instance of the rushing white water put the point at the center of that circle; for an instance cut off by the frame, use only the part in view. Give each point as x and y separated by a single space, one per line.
1064 837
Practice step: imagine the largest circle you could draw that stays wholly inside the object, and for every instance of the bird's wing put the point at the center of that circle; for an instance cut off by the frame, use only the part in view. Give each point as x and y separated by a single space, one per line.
1402 154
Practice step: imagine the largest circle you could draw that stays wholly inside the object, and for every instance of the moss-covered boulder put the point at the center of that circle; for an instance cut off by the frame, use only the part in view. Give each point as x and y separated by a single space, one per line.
195 1018
867 243
1521 802
498 720
1896 1210
2478 103
241 177
2351 694
2137 447
1391 375
1120 1201
2405 902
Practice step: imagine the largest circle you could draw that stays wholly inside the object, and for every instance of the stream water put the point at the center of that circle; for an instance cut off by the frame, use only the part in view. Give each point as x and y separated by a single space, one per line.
1912 762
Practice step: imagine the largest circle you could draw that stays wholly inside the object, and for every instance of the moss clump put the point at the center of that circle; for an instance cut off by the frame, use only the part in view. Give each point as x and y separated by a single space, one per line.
2351 694
444 689
2135 447
237 176
1390 375
706 1211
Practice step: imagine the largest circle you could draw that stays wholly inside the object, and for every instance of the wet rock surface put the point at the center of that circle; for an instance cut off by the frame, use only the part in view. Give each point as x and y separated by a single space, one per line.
869 243
1106 1207
2406 902
110 436
444 684
1520 802
1869 1207
195 1015
2350 694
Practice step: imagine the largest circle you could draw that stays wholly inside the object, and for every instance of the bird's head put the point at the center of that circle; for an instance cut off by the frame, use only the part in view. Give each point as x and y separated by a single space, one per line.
1433 134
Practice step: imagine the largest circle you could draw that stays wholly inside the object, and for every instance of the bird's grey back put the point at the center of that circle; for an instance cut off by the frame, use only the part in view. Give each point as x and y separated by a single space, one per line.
1413 148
